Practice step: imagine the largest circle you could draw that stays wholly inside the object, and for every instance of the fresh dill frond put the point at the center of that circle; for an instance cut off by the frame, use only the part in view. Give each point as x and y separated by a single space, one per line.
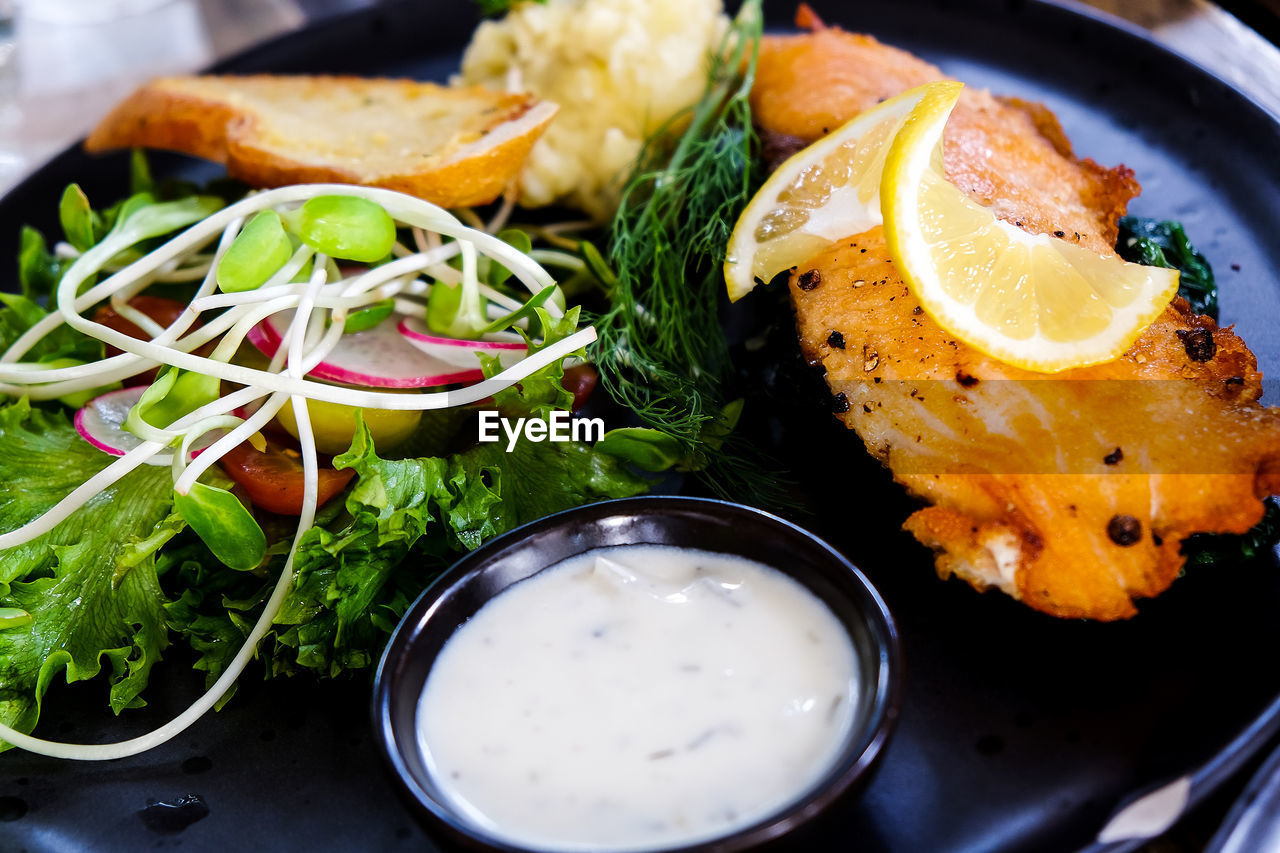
662 350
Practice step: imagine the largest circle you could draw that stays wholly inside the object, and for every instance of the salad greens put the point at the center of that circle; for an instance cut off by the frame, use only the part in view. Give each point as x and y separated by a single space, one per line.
106 558
89 586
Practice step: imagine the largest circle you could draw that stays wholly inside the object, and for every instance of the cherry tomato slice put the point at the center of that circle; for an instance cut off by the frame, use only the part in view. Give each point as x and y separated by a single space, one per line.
580 380
273 479
163 311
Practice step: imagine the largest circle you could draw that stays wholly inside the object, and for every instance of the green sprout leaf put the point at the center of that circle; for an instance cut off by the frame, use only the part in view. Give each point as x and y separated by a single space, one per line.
140 180
77 218
527 311
142 218
223 524
495 273
38 269
173 395
257 253
369 316
647 449
79 399
347 227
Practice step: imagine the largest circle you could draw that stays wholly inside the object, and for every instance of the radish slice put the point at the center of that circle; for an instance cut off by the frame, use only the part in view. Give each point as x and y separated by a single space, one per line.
509 349
101 423
378 358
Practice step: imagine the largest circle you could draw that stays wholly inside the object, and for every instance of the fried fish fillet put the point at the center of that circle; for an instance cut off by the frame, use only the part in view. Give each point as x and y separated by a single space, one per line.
1070 492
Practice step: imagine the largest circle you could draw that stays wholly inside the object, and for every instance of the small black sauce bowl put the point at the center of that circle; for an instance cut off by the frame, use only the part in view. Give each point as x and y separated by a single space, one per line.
708 525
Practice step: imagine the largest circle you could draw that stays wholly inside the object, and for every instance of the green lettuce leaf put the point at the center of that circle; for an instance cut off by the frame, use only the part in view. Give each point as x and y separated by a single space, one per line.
402 523
90 584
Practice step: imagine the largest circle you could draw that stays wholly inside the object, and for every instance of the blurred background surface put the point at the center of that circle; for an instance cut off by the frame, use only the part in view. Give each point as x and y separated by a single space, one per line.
63 63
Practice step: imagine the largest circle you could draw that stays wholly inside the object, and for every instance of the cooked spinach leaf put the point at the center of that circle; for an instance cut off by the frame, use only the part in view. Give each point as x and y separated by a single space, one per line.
1164 243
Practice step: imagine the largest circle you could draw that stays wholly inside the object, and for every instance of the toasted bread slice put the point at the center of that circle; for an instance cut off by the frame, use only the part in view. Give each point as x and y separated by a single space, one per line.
452 146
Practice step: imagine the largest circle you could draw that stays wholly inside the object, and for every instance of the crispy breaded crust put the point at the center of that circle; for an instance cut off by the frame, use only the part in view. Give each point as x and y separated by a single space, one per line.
452 146
1071 492
1022 467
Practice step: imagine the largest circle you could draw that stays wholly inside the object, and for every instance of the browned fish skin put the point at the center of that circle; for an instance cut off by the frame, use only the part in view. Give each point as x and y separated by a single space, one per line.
1173 442
1010 155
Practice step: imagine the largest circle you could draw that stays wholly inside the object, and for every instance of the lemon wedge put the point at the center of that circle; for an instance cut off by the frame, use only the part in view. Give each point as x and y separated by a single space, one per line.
827 191
1030 300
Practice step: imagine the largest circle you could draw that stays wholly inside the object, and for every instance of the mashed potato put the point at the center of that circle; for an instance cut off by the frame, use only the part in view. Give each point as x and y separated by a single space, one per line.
617 68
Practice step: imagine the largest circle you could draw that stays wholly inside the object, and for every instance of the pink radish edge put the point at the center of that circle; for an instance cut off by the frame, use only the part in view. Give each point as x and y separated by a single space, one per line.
88 436
424 371
86 428
406 328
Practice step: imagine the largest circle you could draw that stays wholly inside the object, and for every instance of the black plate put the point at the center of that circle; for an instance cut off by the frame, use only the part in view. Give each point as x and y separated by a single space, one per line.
1019 732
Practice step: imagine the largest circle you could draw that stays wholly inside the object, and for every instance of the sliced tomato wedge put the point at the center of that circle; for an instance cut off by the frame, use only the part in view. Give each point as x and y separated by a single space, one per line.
273 478
163 311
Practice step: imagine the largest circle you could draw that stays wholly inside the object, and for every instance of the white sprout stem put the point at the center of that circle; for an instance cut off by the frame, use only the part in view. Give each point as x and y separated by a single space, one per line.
557 258
133 746
92 261
108 476
169 336
500 218
178 460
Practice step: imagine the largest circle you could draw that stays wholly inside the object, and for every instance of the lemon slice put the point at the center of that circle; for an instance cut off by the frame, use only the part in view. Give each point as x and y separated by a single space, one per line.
1030 300
827 191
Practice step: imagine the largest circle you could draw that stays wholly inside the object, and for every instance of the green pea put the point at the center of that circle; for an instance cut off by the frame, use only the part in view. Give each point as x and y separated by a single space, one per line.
257 253
347 227
223 523
369 316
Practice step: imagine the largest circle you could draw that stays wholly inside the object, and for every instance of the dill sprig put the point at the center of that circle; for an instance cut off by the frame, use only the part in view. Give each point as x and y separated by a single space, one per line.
662 351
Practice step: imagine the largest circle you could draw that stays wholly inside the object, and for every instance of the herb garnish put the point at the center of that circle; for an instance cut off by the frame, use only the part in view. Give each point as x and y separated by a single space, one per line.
662 350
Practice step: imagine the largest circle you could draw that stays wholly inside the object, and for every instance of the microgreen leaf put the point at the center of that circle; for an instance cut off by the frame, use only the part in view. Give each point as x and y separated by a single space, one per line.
173 395
78 399
369 316
223 524
142 218
527 311
140 180
495 273
77 218
38 269
647 449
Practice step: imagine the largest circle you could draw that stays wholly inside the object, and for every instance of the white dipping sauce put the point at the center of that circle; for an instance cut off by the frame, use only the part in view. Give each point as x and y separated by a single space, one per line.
638 698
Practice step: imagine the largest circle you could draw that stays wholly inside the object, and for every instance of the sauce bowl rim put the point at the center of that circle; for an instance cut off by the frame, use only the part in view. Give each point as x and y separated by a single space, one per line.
887 684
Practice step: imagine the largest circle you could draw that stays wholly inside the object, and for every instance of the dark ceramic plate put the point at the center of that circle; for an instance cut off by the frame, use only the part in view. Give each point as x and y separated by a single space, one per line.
1019 732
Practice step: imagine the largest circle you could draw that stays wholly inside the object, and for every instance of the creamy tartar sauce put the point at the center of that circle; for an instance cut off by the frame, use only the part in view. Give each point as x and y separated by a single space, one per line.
638 698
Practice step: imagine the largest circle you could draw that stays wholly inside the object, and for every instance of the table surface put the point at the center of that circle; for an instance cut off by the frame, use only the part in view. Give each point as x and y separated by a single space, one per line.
57 79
